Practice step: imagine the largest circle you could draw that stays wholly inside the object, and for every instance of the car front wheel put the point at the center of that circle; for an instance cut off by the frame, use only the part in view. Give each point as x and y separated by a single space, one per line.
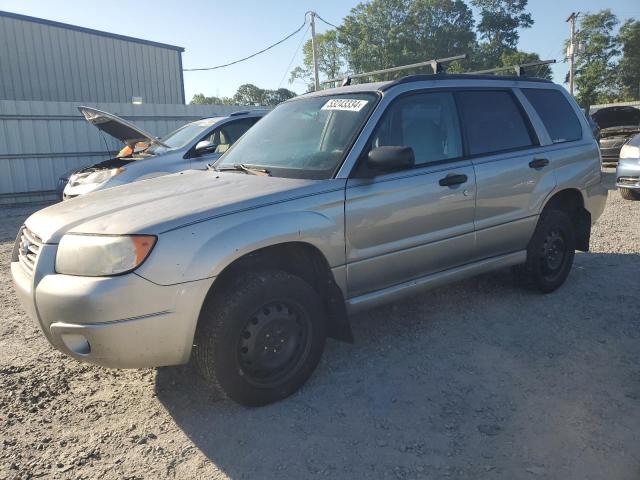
260 337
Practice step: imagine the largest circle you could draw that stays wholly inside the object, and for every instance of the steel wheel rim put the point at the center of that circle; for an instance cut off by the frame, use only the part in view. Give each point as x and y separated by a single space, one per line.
553 253
273 343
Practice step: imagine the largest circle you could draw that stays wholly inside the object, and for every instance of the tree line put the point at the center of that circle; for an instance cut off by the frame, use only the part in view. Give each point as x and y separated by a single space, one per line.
386 33
379 34
608 69
247 94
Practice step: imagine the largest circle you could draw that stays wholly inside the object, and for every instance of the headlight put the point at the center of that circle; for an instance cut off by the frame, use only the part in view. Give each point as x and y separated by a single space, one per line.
629 151
98 177
102 255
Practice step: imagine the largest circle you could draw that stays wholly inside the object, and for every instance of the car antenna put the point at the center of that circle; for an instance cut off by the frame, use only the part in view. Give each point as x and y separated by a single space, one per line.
437 65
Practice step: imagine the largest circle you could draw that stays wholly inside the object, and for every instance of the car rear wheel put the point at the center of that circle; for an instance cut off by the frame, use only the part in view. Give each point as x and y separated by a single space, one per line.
629 194
260 337
550 251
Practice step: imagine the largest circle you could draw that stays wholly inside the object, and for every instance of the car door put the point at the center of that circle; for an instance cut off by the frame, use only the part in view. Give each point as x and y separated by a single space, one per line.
513 176
407 224
222 137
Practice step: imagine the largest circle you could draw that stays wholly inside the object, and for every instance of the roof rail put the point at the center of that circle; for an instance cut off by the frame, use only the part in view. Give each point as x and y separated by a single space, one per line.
247 112
458 76
437 65
518 68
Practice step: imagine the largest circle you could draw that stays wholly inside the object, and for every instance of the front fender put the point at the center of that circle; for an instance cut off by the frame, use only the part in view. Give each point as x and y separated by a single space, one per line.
239 240
205 249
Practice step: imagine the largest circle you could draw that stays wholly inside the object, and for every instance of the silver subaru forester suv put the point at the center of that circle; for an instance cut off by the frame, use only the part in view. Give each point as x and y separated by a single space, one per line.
336 201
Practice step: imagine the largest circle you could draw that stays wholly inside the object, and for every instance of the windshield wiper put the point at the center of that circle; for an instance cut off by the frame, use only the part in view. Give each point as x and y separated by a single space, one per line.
263 172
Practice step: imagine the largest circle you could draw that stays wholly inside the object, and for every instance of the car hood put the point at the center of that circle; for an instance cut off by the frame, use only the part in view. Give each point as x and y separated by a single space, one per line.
617 117
117 127
164 203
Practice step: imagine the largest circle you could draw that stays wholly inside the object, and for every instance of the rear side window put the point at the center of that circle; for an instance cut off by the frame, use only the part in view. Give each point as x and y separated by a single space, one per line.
555 112
492 122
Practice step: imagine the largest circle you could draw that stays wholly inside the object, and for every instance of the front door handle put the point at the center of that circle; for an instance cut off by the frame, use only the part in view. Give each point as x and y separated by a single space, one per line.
451 180
539 163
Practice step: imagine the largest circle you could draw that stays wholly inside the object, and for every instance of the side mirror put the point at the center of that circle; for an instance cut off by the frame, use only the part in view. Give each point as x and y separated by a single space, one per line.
205 146
388 159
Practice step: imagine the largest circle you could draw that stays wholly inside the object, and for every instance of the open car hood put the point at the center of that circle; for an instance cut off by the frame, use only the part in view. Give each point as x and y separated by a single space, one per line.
617 117
117 127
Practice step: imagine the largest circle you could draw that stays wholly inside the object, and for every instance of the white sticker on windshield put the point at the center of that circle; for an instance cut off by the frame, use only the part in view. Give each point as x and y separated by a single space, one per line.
347 104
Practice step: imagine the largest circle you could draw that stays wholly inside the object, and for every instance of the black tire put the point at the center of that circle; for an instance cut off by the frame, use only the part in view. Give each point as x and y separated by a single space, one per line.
260 337
550 251
629 194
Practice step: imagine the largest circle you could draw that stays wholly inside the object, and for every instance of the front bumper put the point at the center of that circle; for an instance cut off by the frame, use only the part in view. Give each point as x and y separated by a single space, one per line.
119 322
628 173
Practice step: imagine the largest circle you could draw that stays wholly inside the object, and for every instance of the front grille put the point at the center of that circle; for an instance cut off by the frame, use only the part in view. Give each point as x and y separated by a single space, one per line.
28 249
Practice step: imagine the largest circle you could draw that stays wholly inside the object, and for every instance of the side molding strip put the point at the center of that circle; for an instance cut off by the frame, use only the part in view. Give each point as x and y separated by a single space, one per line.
397 292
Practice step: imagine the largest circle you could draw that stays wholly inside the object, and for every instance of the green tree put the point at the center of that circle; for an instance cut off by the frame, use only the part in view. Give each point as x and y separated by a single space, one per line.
388 33
249 94
274 97
629 66
498 28
330 59
596 78
200 99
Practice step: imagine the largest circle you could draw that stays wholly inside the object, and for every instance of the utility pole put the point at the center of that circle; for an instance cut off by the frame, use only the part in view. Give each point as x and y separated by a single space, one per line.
571 51
314 50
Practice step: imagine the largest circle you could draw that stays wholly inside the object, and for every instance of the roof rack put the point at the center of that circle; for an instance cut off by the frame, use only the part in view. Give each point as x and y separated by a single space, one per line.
518 68
437 65
459 76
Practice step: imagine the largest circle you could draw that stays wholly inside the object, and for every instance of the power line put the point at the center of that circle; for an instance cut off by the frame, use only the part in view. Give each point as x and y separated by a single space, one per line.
339 29
328 23
250 56
294 56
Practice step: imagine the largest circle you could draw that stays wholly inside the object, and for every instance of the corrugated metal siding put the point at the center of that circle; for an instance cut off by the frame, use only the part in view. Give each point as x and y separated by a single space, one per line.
39 141
50 63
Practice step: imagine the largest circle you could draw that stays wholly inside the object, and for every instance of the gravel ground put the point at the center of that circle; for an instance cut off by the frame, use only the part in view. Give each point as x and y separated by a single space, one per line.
479 379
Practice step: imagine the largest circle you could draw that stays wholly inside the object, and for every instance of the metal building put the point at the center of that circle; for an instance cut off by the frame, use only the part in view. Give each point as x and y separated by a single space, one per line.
51 61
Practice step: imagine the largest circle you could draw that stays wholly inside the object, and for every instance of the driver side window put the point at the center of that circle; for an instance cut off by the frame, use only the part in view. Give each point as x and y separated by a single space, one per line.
226 135
426 122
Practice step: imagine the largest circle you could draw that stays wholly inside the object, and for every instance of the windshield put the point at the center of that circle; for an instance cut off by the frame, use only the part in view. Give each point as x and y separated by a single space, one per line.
306 138
183 135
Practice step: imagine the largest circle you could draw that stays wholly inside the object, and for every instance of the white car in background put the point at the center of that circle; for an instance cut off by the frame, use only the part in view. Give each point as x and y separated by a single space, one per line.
192 146
628 171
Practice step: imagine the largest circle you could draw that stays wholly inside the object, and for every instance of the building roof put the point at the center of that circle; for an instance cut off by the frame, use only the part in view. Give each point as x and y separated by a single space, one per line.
67 26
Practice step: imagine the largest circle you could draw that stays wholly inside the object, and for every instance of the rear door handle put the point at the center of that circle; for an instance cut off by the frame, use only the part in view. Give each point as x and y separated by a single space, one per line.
451 180
539 163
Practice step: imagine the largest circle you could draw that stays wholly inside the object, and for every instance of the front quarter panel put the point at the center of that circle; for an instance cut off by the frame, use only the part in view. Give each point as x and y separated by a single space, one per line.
204 249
